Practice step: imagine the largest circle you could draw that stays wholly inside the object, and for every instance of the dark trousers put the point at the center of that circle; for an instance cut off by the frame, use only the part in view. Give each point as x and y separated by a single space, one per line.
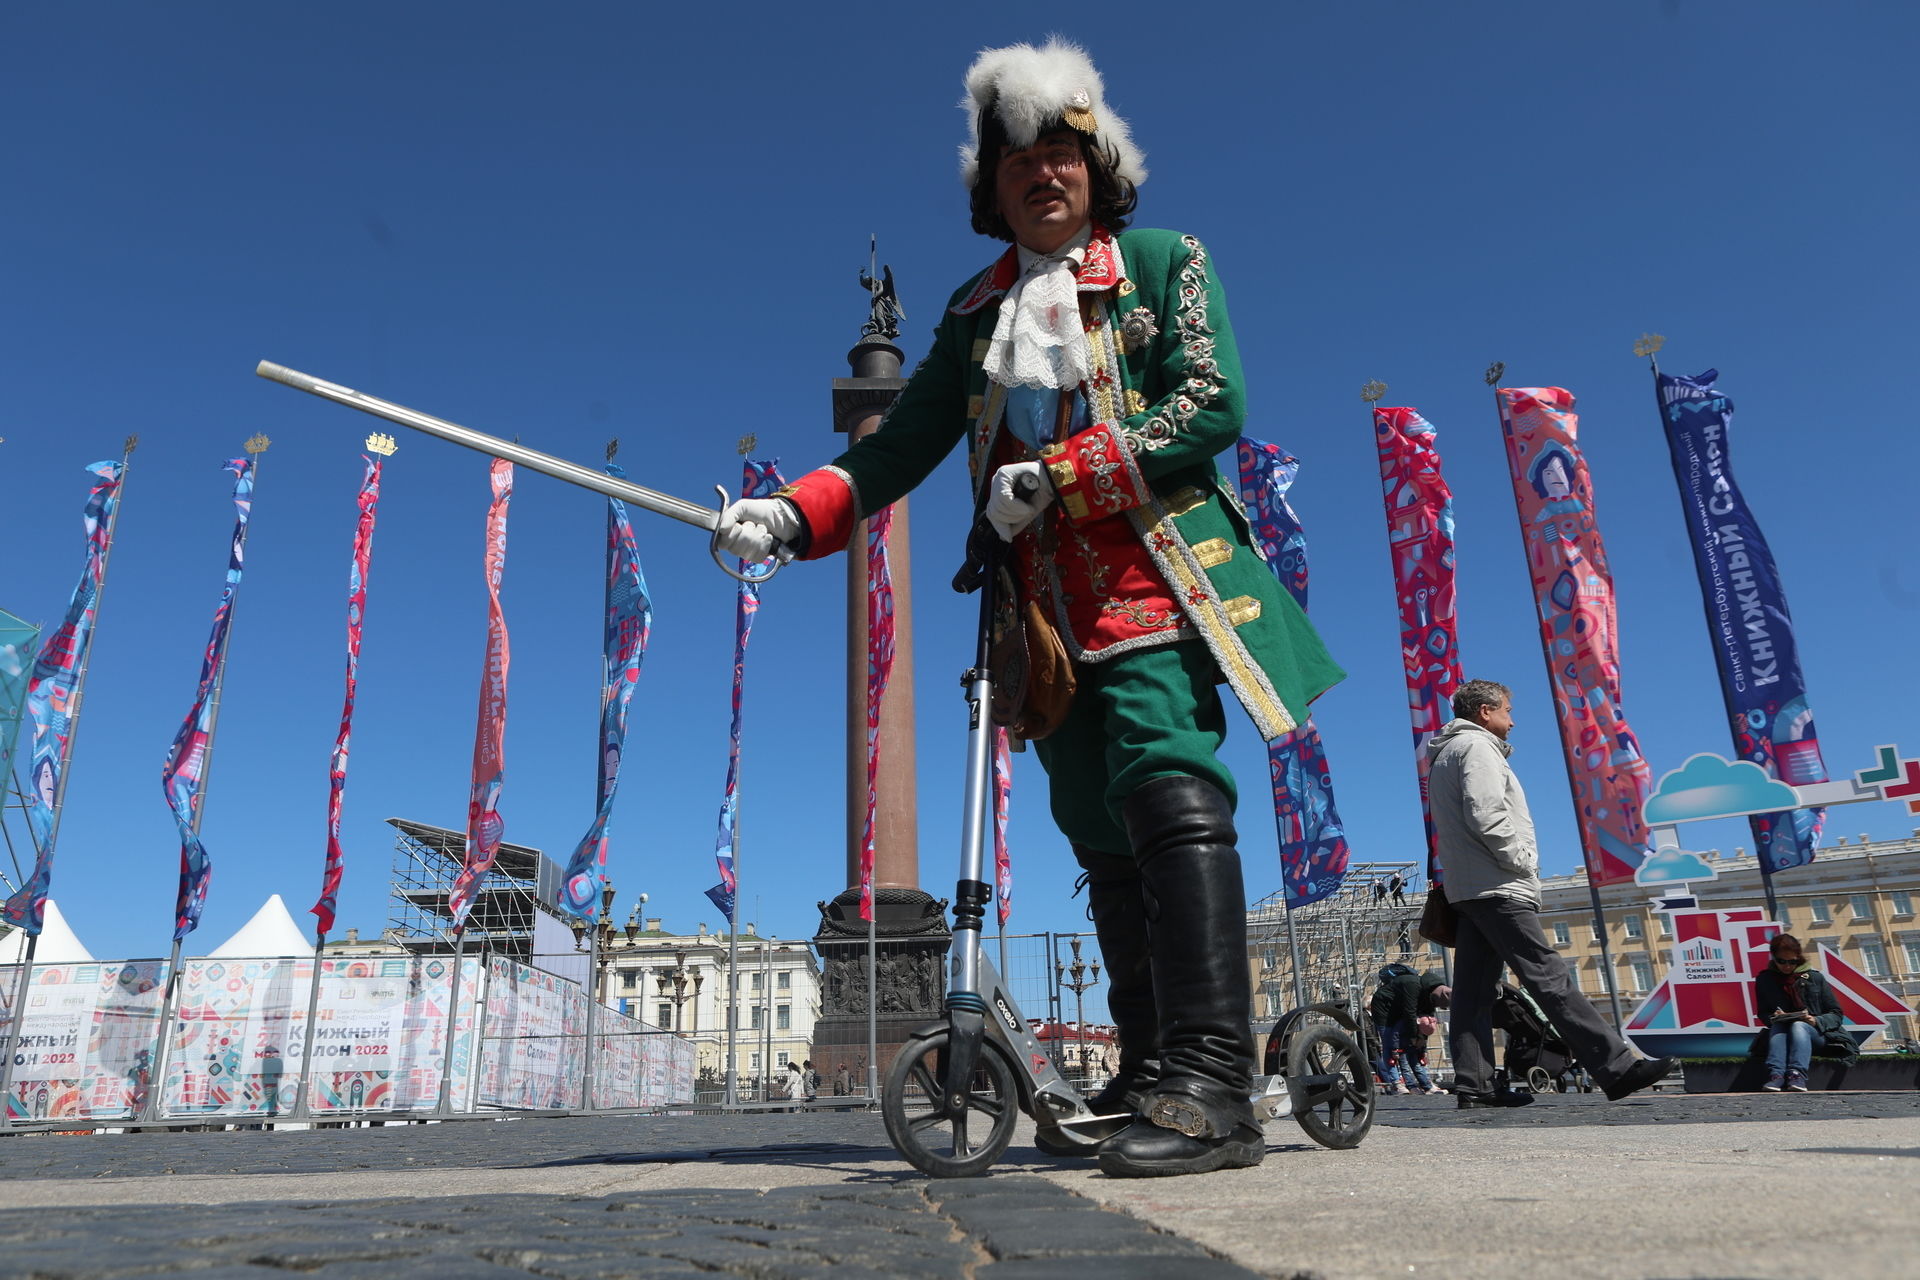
1493 931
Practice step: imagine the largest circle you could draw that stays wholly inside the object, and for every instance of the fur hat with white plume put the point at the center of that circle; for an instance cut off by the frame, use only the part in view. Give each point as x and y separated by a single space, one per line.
1017 93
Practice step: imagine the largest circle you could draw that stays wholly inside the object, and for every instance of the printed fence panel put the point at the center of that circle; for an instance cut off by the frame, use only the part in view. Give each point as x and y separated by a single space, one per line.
86 1046
381 1039
532 1039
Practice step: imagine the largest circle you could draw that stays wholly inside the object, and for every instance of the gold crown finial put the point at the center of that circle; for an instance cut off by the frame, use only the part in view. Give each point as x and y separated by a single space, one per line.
613 447
748 443
1494 371
132 443
382 443
257 443
1648 344
1373 390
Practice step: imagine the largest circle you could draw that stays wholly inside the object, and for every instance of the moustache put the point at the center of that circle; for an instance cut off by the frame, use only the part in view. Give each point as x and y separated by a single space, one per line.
1046 188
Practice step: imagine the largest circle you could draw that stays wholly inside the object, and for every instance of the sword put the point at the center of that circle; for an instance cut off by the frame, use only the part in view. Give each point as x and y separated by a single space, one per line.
559 468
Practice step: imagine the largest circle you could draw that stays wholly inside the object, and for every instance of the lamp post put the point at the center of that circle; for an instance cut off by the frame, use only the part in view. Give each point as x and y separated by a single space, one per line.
673 985
597 940
1079 984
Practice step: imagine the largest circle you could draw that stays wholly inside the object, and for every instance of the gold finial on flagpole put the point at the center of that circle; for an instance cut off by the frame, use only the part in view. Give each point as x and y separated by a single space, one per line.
132 443
1372 391
257 443
748 443
382 443
613 447
1649 344
1494 370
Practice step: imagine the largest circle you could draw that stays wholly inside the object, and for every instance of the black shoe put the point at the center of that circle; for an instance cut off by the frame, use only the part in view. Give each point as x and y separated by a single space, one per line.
1637 1077
1146 1150
1500 1098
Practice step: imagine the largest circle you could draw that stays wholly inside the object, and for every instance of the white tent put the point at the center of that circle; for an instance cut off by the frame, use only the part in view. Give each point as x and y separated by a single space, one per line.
58 945
271 932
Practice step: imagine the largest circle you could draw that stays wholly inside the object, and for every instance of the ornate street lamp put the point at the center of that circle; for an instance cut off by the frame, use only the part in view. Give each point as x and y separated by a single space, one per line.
1079 984
673 985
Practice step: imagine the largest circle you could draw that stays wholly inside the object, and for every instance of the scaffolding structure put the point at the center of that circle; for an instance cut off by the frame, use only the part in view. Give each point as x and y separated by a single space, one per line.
1334 949
426 862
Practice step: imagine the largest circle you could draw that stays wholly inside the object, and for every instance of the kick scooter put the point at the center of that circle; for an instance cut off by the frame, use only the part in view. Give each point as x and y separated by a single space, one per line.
955 1091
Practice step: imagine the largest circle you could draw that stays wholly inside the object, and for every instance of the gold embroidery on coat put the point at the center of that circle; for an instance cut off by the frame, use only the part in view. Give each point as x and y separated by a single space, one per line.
1241 610
1214 551
980 346
1136 403
976 405
1183 500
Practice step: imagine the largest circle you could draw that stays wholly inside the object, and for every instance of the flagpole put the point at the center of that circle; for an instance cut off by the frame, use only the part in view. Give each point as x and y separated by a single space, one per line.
24 984
255 445
443 1107
1494 371
745 447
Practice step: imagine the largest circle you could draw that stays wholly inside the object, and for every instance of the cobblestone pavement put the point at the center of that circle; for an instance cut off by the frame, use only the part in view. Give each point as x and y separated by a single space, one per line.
819 1194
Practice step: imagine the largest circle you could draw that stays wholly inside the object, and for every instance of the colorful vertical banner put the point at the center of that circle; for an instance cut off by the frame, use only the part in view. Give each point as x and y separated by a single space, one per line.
1419 508
369 502
879 671
759 479
1747 616
1579 628
184 772
18 641
1002 793
484 825
629 624
1313 843
53 693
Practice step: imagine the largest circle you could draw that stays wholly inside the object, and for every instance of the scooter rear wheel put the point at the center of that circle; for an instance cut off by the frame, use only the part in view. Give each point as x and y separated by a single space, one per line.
1333 1085
935 1139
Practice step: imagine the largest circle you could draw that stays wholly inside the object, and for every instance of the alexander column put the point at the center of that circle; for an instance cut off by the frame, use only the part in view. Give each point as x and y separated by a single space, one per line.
909 925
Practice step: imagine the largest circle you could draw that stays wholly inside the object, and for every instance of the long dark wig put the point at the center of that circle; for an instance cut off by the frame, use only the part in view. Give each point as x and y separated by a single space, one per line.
1111 198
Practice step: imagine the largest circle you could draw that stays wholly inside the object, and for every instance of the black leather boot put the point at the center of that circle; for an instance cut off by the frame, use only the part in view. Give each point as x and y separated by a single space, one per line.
1119 914
1199 1115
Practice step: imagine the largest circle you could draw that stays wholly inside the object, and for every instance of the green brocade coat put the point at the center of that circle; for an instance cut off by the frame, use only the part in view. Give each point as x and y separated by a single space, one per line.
1178 401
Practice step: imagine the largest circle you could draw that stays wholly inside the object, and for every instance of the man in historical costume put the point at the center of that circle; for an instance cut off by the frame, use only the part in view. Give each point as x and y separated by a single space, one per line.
1093 374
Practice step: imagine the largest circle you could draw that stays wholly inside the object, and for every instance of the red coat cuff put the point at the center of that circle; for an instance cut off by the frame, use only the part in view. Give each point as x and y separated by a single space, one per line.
828 504
1094 474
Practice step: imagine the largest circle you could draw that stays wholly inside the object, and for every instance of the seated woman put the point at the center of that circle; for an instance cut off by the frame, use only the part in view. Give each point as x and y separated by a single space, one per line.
1800 1013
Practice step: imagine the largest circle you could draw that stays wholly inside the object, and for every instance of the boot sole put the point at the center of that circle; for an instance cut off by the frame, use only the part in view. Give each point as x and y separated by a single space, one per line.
1228 1155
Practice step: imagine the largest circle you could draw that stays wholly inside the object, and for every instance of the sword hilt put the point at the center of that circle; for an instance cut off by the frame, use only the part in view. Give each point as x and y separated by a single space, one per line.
753 575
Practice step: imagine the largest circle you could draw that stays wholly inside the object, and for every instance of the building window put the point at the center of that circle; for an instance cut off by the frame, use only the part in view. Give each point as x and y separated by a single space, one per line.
664 1014
1896 1029
1913 955
759 1019
1598 937
1633 926
1666 925
1903 904
758 979
1786 916
780 1059
1820 913
1642 972
783 1016
1861 905
783 981
1873 957
1562 933
754 1065
629 980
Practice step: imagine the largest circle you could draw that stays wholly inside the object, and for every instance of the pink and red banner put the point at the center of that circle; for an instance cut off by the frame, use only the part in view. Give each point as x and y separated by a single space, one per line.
184 773
879 671
484 825
53 699
330 878
1002 793
1419 509
1579 628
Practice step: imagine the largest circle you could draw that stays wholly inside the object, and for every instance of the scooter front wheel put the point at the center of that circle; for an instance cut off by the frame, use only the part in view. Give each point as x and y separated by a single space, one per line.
940 1140
1331 1084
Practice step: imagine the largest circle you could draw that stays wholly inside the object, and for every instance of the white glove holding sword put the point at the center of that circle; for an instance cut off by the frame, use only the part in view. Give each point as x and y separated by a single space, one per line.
751 527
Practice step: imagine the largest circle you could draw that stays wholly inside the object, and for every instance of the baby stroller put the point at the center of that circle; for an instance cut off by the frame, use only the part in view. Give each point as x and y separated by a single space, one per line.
1536 1055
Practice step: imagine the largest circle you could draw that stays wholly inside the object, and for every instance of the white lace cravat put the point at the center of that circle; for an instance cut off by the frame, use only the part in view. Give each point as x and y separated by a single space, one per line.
1038 340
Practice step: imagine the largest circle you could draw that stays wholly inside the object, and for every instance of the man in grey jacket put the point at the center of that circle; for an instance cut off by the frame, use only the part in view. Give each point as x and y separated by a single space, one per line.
1490 868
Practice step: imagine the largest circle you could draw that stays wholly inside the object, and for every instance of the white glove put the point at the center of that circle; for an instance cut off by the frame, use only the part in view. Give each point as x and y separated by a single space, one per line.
750 528
1007 510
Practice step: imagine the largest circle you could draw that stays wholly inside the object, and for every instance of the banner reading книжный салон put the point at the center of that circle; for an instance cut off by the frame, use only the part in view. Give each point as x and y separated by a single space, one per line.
1747 616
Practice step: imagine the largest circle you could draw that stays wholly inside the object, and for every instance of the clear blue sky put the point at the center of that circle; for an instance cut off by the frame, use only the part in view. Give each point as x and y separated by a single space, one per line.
579 221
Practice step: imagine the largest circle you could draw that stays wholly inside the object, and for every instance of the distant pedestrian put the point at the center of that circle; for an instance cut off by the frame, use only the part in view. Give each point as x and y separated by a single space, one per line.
796 1085
1379 893
1800 1012
1401 999
1491 873
810 1079
842 1083
1398 888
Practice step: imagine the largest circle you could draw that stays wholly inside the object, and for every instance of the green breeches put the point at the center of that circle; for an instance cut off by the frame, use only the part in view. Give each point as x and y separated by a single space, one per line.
1152 713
